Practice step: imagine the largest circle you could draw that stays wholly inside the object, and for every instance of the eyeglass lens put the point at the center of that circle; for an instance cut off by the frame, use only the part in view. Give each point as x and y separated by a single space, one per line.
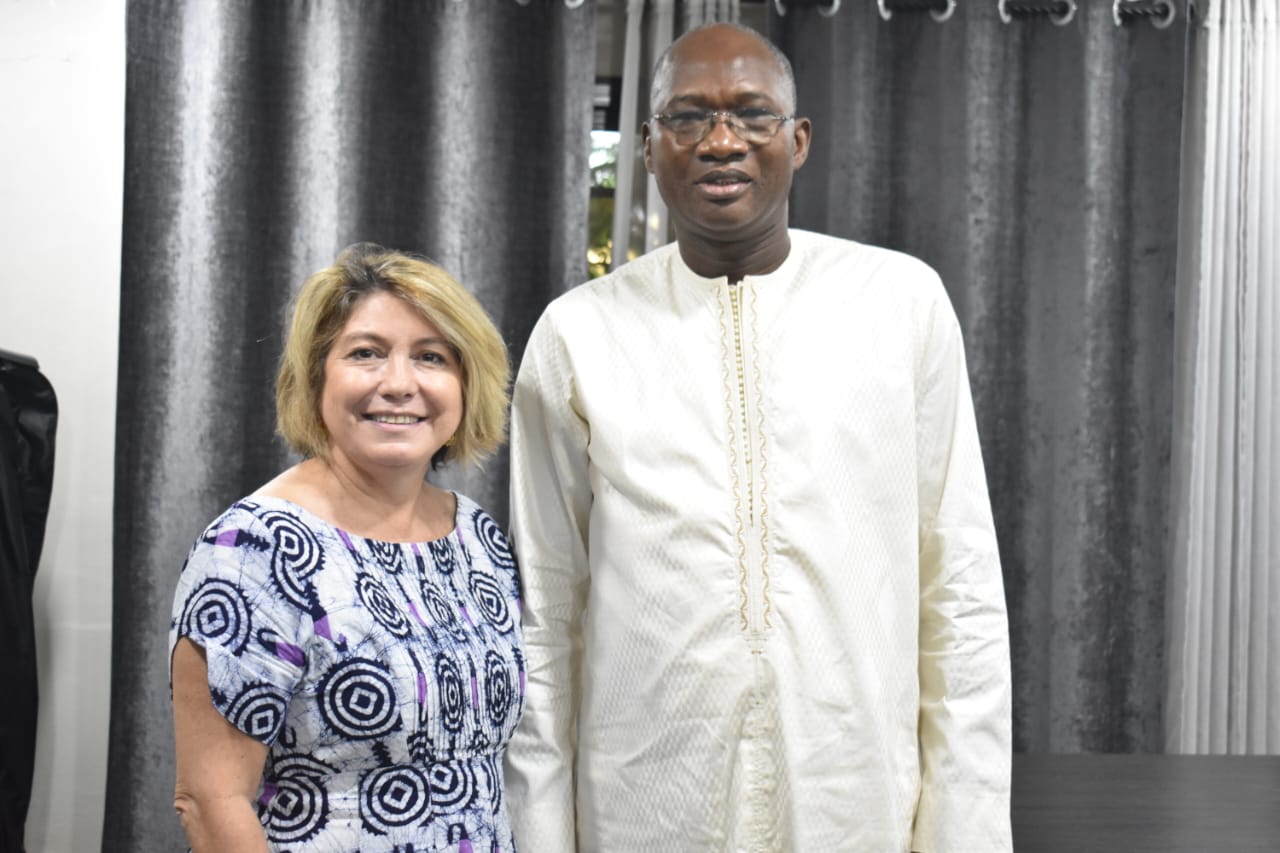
690 128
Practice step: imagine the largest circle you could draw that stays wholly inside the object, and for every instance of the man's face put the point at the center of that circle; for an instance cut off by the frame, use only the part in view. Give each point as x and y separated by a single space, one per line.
722 187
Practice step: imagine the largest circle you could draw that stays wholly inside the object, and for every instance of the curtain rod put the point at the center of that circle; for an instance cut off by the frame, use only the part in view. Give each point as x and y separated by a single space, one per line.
1061 12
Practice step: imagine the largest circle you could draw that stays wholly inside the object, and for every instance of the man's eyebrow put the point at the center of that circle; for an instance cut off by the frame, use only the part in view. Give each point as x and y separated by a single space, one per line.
685 101
751 97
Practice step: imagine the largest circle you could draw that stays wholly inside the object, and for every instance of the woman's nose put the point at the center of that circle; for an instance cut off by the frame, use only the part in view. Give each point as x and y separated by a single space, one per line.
397 377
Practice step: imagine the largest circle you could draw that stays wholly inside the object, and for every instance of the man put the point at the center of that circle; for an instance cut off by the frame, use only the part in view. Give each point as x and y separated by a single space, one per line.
762 598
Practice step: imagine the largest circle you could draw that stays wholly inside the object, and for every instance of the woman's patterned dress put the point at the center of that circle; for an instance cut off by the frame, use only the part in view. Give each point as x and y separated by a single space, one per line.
386 678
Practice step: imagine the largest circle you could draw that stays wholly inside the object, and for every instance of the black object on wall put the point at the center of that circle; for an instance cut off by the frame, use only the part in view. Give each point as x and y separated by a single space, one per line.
28 424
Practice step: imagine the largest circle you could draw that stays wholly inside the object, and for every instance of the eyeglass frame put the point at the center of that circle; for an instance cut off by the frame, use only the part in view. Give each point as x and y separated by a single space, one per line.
731 120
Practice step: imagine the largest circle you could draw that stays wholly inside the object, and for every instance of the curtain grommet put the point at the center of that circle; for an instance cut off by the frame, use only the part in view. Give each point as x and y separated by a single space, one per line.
1060 19
939 15
944 15
1159 21
826 12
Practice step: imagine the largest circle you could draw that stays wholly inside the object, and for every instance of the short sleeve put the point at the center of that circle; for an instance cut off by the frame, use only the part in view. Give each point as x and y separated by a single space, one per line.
238 598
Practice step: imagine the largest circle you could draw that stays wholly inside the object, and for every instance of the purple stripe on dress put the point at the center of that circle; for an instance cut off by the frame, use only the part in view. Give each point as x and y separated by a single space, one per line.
522 680
475 693
227 537
268 793
416 552
289 652
464 846
466 615
422 688
416 615
342 534
322 627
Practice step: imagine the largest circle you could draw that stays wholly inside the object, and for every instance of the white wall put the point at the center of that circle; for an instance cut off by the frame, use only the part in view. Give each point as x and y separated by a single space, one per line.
62 66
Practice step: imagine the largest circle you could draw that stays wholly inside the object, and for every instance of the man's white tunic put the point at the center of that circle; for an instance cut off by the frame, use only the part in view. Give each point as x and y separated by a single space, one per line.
762 597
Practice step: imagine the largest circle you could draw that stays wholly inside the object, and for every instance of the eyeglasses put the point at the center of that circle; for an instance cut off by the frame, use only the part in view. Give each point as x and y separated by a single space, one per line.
752 125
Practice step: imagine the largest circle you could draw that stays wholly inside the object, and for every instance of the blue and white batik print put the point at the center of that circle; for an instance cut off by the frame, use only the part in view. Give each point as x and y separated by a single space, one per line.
386 678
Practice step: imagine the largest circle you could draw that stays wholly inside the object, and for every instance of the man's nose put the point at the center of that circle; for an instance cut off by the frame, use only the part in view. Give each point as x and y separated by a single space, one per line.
722 136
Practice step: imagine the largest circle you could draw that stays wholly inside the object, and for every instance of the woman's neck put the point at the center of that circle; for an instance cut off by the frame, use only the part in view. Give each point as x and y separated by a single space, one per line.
392 506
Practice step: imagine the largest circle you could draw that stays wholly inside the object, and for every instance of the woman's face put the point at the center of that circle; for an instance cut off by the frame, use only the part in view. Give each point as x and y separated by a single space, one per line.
392 393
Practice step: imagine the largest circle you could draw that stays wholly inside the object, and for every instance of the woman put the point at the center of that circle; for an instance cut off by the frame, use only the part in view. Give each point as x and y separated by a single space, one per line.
346 652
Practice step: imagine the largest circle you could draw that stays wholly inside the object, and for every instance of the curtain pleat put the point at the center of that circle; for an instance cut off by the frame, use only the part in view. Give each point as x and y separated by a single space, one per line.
1224 599
261 138
1036 168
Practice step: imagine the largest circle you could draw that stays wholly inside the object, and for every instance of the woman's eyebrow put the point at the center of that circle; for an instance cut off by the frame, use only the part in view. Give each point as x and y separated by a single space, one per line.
361 336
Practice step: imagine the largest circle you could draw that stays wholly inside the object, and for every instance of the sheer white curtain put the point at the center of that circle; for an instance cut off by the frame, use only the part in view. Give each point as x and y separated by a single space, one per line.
1224 585
651 26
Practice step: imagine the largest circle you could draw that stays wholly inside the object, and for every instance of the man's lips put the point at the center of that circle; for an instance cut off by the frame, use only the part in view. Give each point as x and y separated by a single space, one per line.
723 183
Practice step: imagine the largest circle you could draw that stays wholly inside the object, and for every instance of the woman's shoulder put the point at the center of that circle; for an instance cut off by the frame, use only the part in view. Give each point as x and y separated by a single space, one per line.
262 523
257 509
477 524
471 513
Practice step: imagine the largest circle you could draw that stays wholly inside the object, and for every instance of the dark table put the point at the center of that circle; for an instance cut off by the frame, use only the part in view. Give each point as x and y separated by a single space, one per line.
1167 803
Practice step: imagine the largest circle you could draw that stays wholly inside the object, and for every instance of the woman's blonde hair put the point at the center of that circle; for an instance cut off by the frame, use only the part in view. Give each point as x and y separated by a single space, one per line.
322 309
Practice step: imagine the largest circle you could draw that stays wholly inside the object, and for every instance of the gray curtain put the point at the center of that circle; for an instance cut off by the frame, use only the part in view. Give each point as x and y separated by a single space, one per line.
261 138
1036 168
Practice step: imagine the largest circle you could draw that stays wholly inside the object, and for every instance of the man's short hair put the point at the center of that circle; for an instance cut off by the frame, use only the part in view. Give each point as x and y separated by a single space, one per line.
661 78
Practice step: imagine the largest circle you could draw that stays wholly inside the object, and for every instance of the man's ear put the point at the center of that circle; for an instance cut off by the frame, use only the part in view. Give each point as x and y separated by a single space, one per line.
645 141
803 131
